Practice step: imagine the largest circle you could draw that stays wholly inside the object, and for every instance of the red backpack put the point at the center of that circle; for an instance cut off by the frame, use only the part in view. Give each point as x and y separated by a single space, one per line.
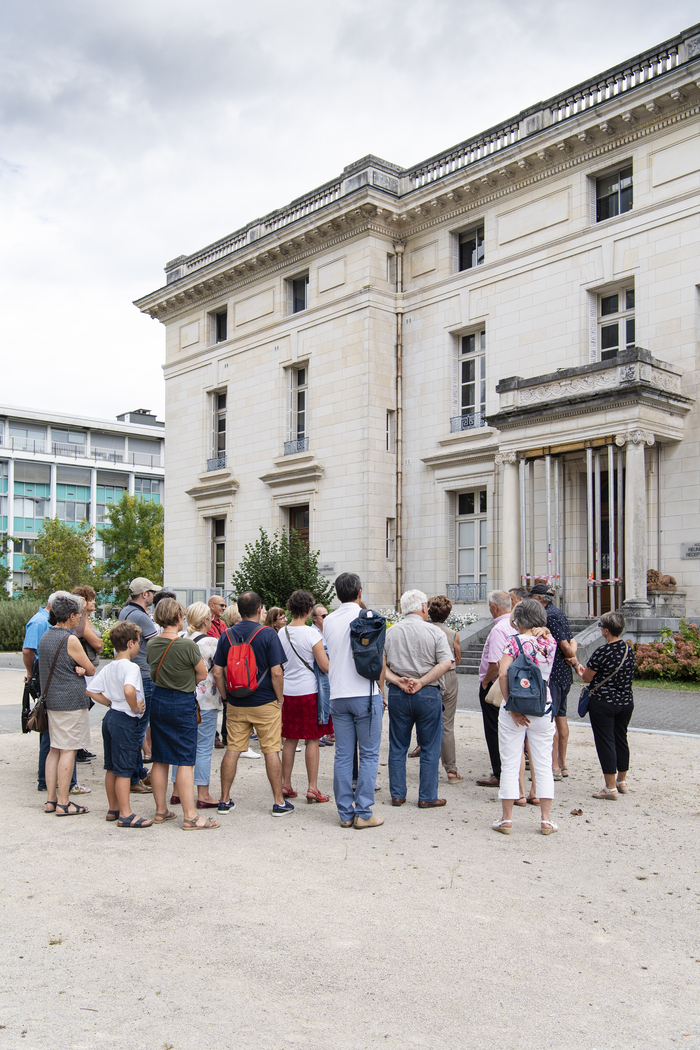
242 667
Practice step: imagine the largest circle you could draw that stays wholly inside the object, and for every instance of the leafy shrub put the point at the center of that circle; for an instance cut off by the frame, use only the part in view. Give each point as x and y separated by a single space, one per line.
103 627
275 566
457 623
14 616
676 656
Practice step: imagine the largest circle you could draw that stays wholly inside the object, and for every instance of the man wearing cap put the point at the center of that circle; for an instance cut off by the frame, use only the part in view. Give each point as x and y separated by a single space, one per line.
561 675
141 595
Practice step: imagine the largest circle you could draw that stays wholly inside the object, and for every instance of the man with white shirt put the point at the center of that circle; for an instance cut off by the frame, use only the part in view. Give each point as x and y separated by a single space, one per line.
350 710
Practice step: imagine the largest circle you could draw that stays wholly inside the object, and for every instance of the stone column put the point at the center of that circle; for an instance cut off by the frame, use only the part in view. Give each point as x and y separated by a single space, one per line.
635 603
510 524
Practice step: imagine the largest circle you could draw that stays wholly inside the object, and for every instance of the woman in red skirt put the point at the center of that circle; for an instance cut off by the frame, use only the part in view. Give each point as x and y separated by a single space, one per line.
302 645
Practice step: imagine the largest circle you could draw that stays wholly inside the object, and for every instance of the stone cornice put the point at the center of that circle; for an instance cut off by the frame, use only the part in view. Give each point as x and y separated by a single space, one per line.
552 151
309 472
221 485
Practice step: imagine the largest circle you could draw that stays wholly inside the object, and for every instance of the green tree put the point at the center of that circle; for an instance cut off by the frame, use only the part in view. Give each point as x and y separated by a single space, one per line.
62 558
274 567
133 541
5 570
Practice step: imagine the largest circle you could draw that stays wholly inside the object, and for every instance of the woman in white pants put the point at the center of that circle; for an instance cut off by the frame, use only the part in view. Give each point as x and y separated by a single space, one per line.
530 620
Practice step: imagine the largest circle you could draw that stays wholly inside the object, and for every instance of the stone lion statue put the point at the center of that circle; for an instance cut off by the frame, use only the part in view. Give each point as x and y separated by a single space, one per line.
656 581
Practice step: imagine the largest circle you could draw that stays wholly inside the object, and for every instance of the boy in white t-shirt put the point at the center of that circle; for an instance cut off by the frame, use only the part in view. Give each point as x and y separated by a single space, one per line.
120 688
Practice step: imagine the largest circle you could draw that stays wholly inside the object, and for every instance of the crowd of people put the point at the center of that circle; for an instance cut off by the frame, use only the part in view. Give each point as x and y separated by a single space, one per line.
172 677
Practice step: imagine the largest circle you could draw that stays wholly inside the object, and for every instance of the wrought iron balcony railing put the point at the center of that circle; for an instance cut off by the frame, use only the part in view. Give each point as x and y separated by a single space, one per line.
300 445
216 462
466 592
467 421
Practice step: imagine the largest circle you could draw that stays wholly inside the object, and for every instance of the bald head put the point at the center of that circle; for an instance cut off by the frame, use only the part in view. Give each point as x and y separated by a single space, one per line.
217 605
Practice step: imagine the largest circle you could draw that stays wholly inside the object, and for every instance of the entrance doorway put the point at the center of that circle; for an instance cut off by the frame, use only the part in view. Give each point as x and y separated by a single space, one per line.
299 521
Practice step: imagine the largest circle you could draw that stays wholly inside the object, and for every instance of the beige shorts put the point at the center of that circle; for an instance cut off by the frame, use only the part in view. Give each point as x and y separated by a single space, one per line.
267 720
69 730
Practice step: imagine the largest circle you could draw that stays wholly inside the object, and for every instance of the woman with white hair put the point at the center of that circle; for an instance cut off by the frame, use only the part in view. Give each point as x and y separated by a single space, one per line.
63 665
530 621
198 617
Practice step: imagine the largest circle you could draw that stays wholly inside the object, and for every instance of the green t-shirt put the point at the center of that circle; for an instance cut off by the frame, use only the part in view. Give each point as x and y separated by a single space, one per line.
178 667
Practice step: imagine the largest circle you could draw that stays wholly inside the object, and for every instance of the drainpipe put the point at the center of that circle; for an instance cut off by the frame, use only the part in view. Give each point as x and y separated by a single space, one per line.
399 249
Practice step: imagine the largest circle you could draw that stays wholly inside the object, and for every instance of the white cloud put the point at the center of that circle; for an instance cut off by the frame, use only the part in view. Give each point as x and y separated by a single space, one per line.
131 133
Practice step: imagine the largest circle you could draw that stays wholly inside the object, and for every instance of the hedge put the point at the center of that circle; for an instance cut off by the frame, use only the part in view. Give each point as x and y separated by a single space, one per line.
13 619
676 656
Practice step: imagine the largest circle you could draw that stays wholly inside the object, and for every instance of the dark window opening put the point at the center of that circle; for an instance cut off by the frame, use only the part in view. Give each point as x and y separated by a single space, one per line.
471 248
614 194
221 326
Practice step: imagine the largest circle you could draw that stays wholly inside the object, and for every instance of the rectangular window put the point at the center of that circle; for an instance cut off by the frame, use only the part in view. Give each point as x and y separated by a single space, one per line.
391 269
472 382
299 521
27 438
221 326
390 539
614 194
298 292
472 549
471 248
616 329
219 552
391 431
147 489
298 422
218 457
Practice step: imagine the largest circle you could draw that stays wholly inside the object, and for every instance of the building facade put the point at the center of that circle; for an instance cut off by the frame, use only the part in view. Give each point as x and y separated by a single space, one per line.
71 467
461 375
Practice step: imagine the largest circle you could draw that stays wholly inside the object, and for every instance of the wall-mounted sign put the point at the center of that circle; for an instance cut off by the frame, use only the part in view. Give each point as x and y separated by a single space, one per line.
328 567
690 550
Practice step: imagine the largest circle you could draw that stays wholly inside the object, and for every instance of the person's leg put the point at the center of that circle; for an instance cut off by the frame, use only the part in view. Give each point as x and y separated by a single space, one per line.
312 760
224 732
273 768
44 748
400 728
510 746
288 752
229 764
562 741
51 773
111 791
368 739
140 770
449 705
159 781
427 711
532 794
206 732
540 733
489 714
345 744
602 720
622 751
185 789
64 769
122 796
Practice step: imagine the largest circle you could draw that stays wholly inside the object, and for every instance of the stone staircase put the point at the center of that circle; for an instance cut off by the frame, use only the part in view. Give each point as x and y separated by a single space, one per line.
472 641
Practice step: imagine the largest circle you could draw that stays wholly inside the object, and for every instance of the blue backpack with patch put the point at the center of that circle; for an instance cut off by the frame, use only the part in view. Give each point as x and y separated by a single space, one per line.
527 689
367 635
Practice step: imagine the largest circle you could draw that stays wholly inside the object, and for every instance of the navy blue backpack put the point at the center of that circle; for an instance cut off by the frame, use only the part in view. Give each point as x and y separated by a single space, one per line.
527 689
367 634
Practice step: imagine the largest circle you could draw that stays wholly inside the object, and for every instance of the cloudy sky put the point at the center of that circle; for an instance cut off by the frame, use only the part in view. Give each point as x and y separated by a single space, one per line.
134 132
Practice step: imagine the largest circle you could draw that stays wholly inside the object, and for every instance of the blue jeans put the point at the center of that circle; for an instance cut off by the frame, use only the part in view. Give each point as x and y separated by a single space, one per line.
206 732
424 710
351 723
44 746
140 772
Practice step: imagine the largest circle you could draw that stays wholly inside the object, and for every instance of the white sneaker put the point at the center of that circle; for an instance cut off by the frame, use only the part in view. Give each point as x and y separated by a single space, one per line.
79 790
250 754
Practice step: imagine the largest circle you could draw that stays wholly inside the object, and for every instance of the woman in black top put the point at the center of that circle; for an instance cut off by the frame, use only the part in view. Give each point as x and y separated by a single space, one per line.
611 704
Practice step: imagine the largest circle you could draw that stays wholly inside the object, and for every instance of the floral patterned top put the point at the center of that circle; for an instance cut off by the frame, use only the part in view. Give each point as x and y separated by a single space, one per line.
540 650
208 696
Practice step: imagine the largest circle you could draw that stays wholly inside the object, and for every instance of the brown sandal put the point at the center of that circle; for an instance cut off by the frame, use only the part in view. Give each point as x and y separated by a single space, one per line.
453 776
192 825
522 801
160 818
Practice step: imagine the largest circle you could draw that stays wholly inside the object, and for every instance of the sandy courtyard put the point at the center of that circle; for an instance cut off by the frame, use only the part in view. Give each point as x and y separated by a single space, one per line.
430 931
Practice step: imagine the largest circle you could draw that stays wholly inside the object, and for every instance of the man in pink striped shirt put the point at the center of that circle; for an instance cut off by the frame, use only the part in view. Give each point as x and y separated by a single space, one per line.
499 607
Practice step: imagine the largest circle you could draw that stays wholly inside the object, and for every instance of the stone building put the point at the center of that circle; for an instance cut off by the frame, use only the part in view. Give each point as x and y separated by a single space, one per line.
463 374
71 467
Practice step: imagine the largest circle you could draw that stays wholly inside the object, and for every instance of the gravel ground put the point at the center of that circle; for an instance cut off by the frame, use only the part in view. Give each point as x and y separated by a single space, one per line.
431 930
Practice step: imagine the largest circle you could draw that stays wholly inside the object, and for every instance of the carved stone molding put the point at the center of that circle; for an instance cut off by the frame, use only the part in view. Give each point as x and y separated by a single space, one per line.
505 457
635 437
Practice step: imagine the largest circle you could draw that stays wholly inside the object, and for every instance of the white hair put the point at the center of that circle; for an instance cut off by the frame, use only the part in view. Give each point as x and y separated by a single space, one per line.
412 601
58 594
500 600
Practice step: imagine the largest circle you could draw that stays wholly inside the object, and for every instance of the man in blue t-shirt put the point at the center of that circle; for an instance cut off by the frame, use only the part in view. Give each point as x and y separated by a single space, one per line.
262 708
33 633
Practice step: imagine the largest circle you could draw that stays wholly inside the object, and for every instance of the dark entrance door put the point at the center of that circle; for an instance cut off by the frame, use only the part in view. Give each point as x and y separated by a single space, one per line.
299 521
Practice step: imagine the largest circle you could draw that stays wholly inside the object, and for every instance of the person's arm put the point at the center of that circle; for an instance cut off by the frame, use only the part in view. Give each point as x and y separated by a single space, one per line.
277 679
587 673
491 674
92 638
382 676
320 656
430 676
28 657
458 651
137 706
506 661
77 653
568 650
404 683
200 671
220 680
100 698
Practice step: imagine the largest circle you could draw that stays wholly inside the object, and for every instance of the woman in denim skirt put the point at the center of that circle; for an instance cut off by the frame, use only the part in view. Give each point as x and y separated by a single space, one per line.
176 668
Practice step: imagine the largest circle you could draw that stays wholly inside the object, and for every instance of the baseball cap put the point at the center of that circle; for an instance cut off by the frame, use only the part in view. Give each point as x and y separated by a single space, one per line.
141 584
544 589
